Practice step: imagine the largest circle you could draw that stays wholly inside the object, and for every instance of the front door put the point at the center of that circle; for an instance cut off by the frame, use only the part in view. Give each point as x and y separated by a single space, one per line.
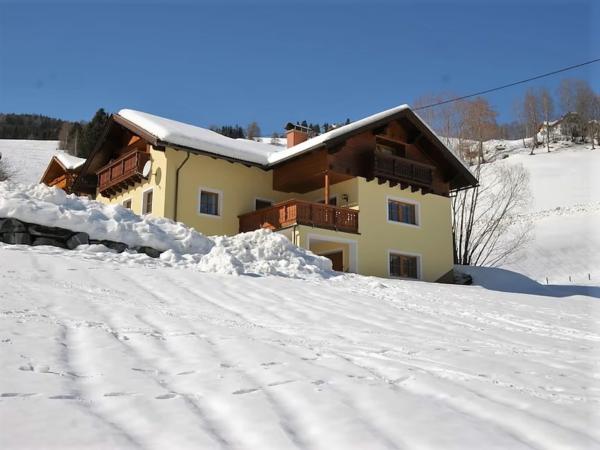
337 260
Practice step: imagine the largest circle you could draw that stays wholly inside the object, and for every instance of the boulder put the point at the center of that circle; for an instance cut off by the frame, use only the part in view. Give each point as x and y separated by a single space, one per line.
12 226
77 239
119 247
48 241
49 232
151 252
16 238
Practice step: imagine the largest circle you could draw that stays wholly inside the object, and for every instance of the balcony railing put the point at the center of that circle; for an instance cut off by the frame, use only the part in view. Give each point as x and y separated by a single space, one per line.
299 212
122 173
398 169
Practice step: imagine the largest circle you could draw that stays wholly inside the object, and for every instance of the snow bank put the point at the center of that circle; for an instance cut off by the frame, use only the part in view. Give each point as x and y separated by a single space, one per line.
260 252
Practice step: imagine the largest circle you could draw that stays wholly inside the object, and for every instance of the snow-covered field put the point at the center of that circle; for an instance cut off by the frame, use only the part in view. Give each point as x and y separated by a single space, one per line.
201 348
27 159
564 213
104 354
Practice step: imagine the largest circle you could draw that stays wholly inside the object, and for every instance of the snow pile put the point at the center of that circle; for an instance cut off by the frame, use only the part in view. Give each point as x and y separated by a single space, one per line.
260 252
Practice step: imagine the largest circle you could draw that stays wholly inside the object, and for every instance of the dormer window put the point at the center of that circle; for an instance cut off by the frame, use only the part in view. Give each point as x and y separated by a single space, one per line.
390 147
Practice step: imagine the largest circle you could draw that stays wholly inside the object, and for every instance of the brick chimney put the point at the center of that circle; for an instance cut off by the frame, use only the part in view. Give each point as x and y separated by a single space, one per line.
296 134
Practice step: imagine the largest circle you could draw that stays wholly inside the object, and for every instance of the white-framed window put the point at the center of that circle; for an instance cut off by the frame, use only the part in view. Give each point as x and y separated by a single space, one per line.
262 203
403 211
210 202
404 265
127 203
147 199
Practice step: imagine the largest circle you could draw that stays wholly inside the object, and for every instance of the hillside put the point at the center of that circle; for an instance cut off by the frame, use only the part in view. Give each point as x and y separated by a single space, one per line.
249 342
564 212
27 159
107 352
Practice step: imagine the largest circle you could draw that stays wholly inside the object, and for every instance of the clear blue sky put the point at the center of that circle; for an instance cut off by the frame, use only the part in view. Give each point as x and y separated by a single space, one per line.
232 62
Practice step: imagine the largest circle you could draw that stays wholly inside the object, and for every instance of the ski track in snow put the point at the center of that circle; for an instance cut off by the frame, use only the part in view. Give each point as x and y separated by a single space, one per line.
104 355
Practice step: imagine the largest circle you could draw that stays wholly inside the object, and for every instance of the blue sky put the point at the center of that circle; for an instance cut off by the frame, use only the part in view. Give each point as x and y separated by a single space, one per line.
234 62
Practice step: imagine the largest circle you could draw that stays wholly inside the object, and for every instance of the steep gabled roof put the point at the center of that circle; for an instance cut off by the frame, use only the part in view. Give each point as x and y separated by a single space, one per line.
162 132
65 162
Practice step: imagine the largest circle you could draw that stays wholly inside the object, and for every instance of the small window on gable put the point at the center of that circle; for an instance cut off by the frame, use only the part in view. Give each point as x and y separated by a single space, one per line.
402 212
209 203
147 202
262 204
127 203
404 266
394 150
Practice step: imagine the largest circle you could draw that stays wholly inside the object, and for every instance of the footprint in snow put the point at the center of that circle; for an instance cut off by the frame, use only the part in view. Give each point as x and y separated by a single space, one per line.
166 396
245 391
16 394
118 394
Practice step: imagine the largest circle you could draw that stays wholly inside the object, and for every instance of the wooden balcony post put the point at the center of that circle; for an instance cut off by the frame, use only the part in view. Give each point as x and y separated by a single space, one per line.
326 187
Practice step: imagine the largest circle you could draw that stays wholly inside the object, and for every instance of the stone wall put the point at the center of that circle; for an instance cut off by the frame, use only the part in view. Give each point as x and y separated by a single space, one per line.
13 231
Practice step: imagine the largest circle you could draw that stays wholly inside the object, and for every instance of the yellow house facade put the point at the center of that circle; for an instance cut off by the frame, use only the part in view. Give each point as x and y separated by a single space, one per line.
373 196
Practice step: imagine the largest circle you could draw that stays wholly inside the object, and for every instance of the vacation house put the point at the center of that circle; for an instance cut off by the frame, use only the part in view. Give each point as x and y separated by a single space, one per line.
62 171
373 196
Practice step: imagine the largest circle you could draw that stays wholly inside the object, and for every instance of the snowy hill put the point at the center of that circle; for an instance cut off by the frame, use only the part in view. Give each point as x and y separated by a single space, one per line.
27 159
101 353
564 213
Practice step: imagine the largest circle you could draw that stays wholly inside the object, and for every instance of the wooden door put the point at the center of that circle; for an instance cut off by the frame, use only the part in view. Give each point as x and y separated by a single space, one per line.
337 260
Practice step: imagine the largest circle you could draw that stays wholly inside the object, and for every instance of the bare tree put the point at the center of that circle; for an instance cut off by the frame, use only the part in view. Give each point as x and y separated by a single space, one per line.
63 135
479 123
547 108
531 113
253 131
5 172
594 124
484 219
274 139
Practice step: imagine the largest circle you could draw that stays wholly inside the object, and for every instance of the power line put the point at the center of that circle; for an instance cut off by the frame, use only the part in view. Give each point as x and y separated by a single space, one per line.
487 91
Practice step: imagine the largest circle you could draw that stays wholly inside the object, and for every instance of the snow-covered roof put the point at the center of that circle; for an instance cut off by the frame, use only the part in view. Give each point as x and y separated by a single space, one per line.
191 136
69 162
332 134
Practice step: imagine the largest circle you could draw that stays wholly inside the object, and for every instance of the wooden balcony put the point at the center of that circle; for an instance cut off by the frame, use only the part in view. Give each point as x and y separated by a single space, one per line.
119 175
299 212
402 170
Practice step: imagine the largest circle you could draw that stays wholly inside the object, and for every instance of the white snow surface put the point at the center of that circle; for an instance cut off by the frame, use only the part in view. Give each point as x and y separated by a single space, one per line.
27 159
564 213
121 351
259 252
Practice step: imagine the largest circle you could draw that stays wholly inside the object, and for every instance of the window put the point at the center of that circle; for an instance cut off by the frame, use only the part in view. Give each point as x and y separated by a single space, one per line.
262 204
404 266
147 202
402 212
209 203
395 150
127 203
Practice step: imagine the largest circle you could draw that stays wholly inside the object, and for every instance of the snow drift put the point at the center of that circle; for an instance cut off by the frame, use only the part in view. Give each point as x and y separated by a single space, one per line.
260 252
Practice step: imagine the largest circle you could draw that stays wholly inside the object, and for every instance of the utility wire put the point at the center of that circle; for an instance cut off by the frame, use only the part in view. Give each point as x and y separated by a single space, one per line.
487 91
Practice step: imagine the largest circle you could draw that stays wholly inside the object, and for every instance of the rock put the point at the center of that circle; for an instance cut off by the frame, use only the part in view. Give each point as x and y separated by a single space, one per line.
48 241
12 226
151 252
77 239
16 238
119 247
49 232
